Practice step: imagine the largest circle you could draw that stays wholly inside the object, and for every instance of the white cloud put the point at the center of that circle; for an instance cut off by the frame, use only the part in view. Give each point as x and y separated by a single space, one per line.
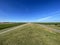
53 17
45 18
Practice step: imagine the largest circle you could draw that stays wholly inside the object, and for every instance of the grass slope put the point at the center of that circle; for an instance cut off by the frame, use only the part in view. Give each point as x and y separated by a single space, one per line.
31 34
3 26
55 25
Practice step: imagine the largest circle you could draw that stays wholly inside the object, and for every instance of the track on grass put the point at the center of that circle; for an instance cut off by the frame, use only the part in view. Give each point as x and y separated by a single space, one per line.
49 28
10 29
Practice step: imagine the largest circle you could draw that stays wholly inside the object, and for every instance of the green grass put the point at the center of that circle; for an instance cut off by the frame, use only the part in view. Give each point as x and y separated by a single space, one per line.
3 26
31 34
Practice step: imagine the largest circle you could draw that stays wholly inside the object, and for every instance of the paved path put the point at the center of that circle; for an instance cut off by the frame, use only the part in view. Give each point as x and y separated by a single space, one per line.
10 29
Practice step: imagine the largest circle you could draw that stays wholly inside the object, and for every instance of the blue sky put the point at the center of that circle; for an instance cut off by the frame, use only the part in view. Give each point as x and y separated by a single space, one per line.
29 10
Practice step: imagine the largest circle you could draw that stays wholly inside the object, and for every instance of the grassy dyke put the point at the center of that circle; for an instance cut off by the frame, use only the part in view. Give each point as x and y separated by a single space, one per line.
30 35
7 25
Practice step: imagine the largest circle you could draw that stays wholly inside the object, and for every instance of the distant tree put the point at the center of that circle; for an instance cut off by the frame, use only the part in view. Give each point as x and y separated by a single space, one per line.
56 24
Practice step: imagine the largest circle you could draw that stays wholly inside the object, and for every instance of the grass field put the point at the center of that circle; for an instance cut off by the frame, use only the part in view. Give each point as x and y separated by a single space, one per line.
8 25
31 34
